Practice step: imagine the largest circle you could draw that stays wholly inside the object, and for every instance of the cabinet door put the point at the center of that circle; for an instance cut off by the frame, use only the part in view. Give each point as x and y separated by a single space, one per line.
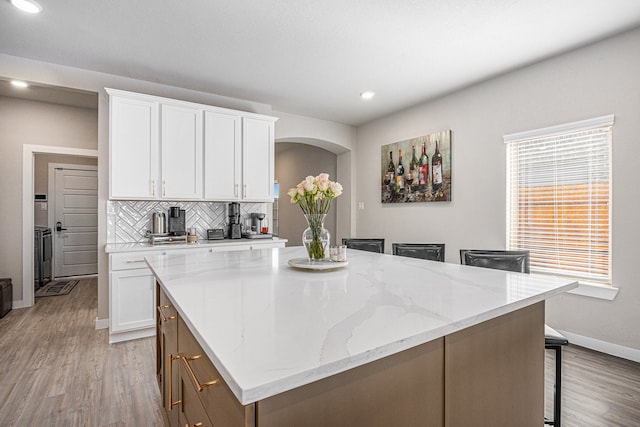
181 146
222 156
133 148
132 300
167 340
257 160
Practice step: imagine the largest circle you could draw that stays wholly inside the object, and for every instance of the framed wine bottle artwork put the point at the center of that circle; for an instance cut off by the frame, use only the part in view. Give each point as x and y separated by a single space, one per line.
417 169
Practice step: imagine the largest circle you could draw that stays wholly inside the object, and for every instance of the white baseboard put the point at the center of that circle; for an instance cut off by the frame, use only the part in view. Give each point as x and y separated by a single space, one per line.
102 323
18 304
603 346
132 335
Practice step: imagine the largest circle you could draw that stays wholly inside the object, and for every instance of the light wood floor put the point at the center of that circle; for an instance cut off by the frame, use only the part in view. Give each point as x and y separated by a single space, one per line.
57 370
599 390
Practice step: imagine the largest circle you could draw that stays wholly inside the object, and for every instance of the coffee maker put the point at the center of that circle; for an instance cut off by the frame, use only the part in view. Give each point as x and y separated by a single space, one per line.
235 227
177 221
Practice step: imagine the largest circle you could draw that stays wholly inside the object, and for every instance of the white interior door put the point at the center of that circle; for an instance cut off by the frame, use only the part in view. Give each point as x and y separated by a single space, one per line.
75 222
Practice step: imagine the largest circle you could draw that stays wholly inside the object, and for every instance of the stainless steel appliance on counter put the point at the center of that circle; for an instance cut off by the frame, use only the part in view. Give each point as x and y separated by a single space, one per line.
177 219
158 223
235 227
256 228
42 256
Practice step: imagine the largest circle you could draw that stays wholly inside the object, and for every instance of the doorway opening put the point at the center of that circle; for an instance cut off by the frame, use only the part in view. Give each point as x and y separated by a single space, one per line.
29 205
293 162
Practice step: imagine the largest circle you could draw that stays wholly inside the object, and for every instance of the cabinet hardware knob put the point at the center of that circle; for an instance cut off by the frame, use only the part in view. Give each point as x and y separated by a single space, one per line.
164 317
199 386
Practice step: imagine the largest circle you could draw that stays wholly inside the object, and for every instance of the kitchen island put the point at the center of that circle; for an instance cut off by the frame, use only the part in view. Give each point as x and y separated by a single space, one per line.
386 340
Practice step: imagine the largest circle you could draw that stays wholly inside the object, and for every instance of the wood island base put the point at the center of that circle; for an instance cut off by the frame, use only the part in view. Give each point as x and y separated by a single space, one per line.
490 374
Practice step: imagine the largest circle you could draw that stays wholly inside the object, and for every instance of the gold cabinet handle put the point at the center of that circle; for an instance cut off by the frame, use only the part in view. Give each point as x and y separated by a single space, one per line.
164 188
153 187
199 386
235 190
163 317
193 425
245 191
171 402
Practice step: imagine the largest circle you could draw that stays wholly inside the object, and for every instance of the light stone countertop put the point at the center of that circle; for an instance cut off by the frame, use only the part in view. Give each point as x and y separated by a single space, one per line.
201 243
269 328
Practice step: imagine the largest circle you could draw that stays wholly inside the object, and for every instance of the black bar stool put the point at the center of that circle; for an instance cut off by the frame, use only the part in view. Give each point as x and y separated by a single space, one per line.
430 251
518 261
370 245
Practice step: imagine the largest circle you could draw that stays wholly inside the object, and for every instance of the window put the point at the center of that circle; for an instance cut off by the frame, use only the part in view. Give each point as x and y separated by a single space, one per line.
559 198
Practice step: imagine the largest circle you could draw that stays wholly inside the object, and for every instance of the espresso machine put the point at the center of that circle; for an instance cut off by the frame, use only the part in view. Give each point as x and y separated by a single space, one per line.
257 232
235 227
177 221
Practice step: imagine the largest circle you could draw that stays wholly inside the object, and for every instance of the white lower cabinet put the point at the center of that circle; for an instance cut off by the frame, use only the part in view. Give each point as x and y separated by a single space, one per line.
132 299
132 307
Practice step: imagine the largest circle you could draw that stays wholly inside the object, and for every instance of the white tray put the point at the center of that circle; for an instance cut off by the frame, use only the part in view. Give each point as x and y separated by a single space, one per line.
324 264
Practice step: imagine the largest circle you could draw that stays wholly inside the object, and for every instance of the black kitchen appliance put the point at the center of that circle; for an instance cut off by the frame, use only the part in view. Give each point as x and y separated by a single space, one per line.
177 218
6 296
235 228
215 234
42 255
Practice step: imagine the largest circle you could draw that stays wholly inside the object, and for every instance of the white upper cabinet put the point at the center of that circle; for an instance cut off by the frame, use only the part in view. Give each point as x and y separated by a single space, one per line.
162 148
257 159
181 145
133 148
222 156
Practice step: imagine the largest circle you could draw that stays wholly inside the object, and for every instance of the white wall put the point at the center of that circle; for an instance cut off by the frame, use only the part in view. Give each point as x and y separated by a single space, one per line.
36 123
590 82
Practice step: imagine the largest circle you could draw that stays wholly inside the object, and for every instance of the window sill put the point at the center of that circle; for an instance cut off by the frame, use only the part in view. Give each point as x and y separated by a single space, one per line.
595 291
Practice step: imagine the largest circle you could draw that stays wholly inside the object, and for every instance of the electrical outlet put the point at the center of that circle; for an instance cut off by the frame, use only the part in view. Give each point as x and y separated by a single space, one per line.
43 206
361 206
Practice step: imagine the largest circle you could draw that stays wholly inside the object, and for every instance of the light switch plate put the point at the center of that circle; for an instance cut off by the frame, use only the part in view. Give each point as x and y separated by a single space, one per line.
43 206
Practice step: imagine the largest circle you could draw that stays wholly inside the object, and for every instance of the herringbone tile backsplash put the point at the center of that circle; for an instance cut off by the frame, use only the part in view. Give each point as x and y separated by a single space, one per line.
128 221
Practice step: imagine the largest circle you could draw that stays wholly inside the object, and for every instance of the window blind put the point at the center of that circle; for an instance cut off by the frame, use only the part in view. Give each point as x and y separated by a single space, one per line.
559 201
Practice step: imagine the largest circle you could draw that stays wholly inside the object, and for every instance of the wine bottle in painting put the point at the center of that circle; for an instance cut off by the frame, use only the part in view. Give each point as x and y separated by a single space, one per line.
413 170
400 174
391 171
423 168
436 169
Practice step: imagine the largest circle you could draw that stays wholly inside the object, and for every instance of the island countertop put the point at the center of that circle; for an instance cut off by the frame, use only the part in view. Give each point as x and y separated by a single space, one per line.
269 328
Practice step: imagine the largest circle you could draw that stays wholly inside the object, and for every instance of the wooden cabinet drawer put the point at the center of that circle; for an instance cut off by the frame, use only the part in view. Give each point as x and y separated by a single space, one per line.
192 412
221 405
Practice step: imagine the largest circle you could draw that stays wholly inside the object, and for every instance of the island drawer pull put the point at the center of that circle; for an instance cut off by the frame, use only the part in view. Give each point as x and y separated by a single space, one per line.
163 317
130 261
171 402
199 386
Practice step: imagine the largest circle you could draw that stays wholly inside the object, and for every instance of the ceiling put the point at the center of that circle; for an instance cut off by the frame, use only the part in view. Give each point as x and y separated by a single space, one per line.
311 57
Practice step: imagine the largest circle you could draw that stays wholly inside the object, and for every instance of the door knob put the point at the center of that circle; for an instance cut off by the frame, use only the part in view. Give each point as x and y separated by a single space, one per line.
59 226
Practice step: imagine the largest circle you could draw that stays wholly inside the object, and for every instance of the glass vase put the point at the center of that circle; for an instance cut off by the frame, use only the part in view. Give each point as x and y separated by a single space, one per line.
315 237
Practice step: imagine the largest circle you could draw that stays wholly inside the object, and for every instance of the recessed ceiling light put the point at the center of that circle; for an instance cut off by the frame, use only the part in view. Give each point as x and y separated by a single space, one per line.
19 83
28 6
368 94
